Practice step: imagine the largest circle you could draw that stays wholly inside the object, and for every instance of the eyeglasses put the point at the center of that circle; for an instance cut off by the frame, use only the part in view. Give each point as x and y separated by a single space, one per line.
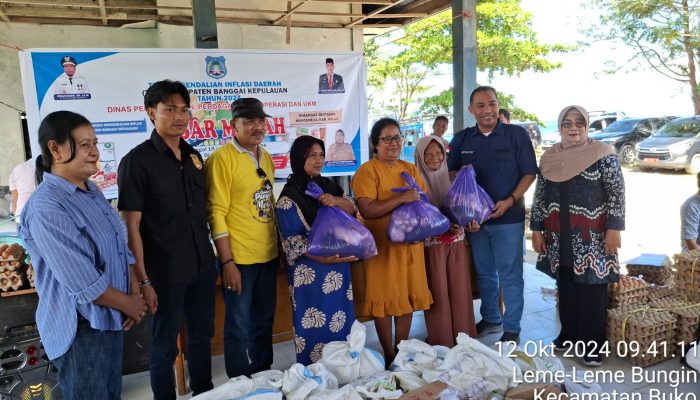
389 139
263 175
569 124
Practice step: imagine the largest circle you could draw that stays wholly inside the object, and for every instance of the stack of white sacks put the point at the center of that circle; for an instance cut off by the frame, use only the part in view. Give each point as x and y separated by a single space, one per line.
349 371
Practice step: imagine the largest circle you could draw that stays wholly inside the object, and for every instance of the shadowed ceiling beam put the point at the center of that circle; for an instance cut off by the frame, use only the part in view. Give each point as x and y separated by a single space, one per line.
375 12
103 12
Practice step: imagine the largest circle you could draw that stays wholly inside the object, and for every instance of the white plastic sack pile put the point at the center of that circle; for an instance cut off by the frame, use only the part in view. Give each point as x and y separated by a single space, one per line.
261 386
387 385
300 382
581 385
476 371
347 392
454 394
382 385
407 380
554 364
527 363
350 360
416 356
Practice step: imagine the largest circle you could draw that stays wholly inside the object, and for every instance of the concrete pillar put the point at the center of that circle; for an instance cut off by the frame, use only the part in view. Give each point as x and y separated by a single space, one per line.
204 24
463 60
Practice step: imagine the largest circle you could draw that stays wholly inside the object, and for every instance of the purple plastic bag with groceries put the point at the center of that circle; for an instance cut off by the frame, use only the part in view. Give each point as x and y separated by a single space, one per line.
417 220
466 200
336 233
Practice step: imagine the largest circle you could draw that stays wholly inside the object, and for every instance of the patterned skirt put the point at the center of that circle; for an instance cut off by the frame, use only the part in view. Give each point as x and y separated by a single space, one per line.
322 305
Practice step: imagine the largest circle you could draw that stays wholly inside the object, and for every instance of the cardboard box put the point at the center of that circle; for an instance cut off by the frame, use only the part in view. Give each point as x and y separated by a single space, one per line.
530 390
430 391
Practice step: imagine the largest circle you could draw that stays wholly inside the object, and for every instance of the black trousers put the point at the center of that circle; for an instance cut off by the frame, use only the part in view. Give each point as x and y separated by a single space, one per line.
195 301
582 311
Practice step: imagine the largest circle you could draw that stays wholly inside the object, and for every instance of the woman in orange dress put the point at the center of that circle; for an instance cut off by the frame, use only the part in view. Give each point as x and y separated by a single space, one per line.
396 283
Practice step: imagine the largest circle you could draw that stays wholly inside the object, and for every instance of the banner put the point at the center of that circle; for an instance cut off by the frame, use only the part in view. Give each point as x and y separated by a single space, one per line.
303 93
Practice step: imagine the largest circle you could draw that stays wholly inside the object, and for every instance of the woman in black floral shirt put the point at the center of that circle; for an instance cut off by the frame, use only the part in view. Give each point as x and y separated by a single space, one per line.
577 215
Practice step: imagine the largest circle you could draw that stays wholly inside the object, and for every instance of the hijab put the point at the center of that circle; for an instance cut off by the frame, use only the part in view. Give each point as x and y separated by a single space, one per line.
562 161
438 182
298 180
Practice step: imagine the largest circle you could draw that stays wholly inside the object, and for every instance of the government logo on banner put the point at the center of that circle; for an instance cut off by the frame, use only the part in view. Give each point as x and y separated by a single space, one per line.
216 67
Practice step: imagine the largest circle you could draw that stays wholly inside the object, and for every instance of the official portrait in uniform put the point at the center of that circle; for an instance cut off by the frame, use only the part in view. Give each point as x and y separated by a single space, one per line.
340 151
69 82
330 82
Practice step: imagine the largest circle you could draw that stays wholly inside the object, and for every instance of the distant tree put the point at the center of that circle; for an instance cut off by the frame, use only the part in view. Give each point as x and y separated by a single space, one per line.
516 113
506 44
664 33
375 81
442 103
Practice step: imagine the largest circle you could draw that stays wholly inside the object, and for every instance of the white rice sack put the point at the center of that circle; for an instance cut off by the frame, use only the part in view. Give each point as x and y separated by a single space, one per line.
347 392
382 385
299 381
350 360
477 370
408 380
263 386
415 356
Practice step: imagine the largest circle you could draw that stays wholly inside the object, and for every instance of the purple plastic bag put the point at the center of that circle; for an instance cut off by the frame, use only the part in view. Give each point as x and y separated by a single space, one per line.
336 233
417 220
466 200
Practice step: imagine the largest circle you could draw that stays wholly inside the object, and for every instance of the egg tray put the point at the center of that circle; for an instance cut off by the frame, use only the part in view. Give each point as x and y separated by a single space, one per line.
643 327
687 317
11 253
30 274
688 291
647 360
638 297
12 280
628 291
11 265
687 279
658 275
661 292
627 284
653 277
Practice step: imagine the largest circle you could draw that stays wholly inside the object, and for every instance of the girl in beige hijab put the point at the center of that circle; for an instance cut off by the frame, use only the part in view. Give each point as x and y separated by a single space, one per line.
447 258
577 215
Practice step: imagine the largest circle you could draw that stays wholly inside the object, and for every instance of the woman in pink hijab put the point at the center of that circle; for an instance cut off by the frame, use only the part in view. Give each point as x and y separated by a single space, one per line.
577 215
447 259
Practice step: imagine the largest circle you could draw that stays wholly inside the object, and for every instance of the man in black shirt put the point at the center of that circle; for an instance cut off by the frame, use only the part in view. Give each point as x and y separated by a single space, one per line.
162 200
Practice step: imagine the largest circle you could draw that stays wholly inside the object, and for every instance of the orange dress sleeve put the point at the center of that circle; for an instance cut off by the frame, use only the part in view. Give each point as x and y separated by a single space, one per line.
365 183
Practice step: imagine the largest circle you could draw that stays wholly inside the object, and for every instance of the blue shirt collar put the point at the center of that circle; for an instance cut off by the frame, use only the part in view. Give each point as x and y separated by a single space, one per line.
66 186
498 130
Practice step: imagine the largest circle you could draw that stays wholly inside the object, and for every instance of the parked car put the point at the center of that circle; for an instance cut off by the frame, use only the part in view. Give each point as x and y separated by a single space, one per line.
597 121
412 134
675 145
623 134
533 129
549 139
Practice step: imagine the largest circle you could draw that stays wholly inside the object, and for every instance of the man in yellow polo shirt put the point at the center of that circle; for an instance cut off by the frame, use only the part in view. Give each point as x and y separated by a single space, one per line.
241 204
